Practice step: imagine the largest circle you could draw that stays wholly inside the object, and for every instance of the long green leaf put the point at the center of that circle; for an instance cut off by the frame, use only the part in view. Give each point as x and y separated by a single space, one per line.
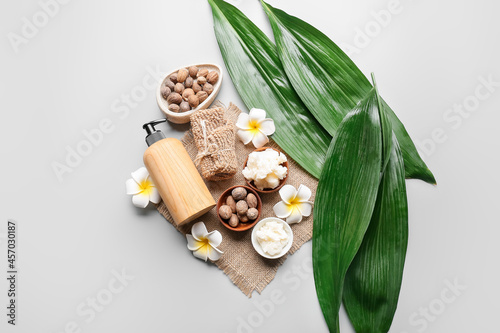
373 281
257 73
344 203
386 127
329 83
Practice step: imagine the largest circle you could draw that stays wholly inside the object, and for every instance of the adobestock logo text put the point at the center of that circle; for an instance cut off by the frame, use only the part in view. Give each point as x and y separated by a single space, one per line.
120 109
89 309
426 315
379 20
455 116
30 27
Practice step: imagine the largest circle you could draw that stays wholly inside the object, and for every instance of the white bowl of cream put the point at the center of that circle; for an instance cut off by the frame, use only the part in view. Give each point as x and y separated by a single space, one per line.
272 238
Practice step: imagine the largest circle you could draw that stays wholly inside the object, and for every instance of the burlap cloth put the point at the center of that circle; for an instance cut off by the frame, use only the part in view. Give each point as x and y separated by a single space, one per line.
244 266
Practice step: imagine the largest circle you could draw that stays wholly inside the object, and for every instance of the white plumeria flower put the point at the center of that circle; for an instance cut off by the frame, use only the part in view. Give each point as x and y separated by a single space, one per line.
295 203
203 243
142 188
255 127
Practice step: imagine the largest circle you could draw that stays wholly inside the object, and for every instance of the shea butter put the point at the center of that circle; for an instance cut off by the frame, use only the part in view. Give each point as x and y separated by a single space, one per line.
265 168
272 237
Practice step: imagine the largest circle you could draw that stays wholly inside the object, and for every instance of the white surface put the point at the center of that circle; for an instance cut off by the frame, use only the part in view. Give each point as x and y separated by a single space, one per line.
92 54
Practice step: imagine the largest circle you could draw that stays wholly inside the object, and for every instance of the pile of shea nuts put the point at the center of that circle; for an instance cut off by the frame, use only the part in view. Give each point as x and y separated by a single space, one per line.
240 207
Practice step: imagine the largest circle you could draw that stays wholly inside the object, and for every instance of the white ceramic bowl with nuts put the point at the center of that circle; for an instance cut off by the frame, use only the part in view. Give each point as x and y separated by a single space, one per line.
187 90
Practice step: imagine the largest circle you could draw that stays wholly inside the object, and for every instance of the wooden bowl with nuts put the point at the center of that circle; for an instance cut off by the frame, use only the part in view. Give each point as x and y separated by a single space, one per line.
188 89
282 182
239 208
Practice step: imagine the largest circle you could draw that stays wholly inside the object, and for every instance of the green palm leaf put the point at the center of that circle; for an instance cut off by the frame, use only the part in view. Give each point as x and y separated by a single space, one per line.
386 127
257 73
345 200
373 281
329 83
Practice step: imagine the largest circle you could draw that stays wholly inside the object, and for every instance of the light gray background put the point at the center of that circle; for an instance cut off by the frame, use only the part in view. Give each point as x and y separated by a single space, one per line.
76 232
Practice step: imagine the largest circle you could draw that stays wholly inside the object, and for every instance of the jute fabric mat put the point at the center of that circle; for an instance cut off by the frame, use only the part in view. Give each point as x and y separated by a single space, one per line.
240 262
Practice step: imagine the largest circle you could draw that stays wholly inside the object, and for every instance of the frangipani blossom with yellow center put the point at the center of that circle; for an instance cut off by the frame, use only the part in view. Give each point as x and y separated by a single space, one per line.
295 203
142 188
255 127
203 243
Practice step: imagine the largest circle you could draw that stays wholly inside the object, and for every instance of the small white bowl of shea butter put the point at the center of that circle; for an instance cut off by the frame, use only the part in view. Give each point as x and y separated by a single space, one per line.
272 238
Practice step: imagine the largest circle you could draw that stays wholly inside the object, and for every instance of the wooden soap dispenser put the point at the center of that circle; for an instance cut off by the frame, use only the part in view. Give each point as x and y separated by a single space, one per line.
175 176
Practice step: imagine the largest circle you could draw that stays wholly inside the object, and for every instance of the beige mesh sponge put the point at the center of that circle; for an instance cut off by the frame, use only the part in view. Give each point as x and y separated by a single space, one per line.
214 137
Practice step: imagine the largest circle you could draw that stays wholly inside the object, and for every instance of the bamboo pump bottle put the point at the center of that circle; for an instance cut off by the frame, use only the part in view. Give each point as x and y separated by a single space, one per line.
175 176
